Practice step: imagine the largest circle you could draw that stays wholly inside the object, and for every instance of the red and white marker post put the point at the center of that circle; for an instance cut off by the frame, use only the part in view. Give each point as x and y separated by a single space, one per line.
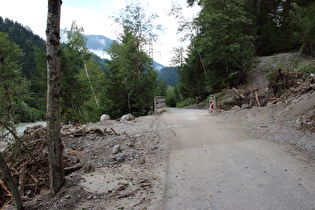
212 105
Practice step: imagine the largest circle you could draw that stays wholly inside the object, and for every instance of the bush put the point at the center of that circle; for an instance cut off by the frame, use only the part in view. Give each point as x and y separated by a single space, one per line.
170 97
186 102
307 67
25 113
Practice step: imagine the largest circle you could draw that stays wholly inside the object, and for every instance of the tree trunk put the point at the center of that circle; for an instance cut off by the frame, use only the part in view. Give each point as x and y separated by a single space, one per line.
12 184
87 75
55 147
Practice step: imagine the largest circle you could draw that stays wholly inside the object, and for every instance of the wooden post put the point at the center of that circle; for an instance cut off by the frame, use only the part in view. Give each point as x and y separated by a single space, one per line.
155 108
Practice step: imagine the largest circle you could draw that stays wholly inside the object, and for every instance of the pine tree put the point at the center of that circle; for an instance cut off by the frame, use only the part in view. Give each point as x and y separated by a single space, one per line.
12 83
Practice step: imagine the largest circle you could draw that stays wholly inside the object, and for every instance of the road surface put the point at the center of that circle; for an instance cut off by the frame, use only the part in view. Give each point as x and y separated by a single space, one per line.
214 165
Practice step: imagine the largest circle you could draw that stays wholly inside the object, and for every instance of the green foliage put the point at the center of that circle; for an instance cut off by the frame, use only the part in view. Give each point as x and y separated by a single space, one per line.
170 97
307 66
272 25
170 75
74 89
221 53
225 33
12 84
161 89
178 96
304 21
27 40
218 96
290 63
38 86
132 80
186 102
25 113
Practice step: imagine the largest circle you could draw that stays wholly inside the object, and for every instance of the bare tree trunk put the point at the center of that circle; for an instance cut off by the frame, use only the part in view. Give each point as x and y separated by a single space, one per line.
12 184
55 147
87 75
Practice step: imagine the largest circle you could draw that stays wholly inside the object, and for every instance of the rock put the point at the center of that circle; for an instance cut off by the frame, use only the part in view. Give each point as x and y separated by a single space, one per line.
142 161
269 104
104 117
120 158
236 108
116 149
245 106
89 167
127 117
288 109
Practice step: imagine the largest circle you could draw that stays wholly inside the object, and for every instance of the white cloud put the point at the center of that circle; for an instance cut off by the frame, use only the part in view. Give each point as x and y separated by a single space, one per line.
101 53
34 14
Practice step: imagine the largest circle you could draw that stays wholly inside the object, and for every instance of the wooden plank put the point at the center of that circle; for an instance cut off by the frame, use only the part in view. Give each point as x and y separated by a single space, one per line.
159 104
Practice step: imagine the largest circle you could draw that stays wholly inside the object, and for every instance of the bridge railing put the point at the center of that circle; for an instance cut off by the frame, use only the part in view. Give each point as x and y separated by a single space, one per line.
159 104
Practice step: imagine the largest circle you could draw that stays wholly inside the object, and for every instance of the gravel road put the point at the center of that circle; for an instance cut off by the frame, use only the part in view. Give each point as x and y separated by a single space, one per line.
215 165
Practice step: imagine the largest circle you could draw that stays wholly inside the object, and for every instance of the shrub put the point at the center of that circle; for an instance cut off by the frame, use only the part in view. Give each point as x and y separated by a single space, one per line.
307 67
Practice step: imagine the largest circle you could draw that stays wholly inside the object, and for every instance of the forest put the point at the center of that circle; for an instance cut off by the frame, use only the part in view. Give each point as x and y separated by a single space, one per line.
228 35
225 38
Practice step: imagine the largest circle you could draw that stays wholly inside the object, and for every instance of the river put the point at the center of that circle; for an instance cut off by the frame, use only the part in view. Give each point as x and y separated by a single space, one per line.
22 126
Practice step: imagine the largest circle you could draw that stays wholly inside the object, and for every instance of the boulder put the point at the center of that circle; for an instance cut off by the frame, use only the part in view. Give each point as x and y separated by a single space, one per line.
104 117
116 149
127 117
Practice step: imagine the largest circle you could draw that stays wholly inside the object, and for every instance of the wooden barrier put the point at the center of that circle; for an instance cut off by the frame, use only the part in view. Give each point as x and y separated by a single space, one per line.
159 104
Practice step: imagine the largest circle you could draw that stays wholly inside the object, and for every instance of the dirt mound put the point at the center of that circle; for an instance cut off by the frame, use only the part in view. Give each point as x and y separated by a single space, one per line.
95 176
282 110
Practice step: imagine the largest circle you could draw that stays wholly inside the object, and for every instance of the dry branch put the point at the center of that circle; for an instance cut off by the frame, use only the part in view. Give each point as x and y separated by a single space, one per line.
26 148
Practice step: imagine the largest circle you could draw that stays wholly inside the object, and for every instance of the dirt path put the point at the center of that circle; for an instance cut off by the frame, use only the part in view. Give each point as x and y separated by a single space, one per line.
215 165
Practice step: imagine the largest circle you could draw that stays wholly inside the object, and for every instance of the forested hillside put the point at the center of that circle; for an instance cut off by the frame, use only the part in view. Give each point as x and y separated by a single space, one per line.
170 75
27 40
30 105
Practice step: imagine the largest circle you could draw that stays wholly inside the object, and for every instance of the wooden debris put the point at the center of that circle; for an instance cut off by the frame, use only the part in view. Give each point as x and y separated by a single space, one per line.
4 187
146 185
143 181
72 169
114 132
78 154
257 98
121 188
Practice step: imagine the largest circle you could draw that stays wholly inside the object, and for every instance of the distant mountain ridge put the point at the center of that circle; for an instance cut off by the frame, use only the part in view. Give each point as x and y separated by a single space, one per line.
98 43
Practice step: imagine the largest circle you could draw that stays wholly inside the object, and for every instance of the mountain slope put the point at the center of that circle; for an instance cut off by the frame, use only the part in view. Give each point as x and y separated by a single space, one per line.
97 44
27 40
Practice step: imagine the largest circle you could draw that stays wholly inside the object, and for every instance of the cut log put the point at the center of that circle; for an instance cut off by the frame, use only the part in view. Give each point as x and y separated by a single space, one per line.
257 98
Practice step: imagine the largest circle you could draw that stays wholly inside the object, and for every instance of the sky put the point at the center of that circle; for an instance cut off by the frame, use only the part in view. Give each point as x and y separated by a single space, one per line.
94 17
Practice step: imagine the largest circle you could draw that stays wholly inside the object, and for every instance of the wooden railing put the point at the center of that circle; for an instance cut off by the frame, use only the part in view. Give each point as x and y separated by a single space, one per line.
159 104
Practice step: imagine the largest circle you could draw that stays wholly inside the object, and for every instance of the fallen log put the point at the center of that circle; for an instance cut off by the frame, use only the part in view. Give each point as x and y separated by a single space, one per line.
72 169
